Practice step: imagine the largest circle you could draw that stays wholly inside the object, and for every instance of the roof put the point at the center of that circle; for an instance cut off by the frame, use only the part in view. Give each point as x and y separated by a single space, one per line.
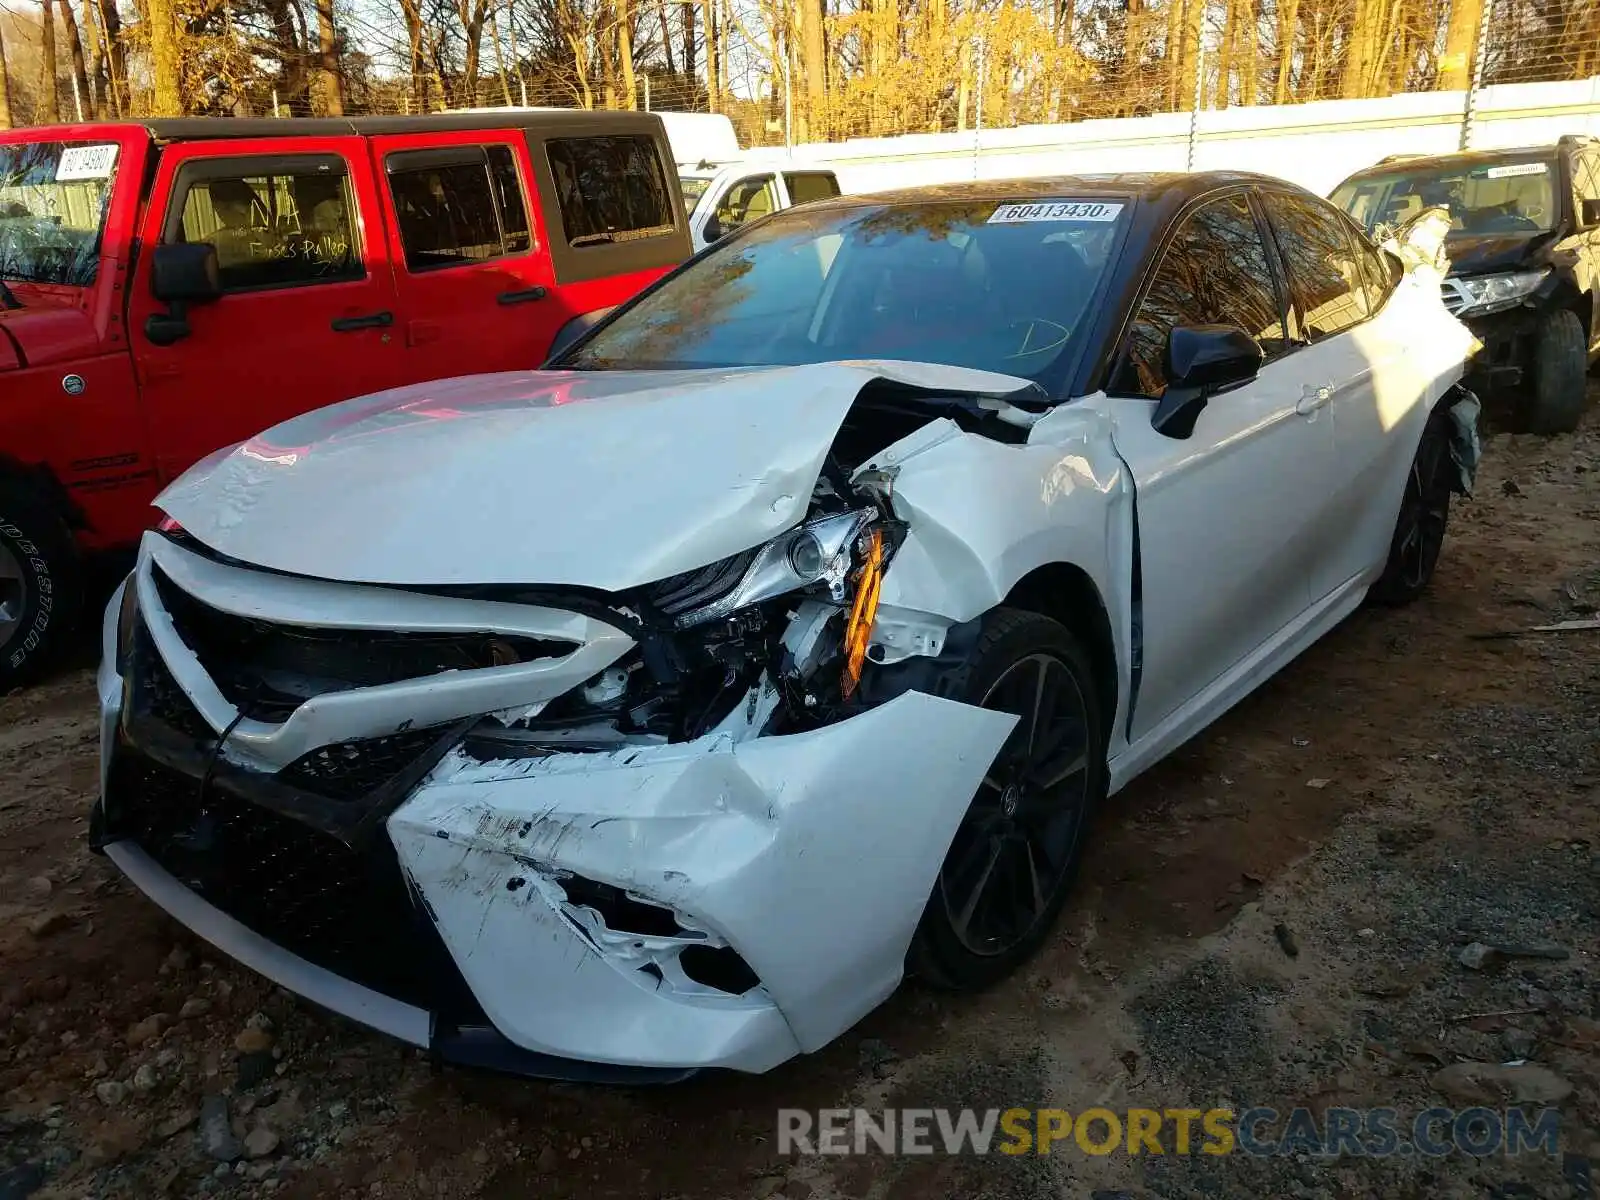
1136 184
1449 162
191 129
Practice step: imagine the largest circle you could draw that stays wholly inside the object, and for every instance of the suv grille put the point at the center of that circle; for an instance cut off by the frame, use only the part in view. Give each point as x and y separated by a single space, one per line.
1455 299
351 770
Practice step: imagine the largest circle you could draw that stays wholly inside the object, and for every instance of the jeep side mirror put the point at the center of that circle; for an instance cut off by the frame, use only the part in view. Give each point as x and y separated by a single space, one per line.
185 274
1590 213
1202 360
180 275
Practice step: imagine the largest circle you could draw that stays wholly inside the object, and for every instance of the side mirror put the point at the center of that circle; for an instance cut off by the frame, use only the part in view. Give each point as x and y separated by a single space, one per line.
185 274
1590 213
180 275
1202 360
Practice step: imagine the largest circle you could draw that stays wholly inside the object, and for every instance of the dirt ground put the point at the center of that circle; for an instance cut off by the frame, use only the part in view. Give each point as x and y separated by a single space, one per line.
1412 784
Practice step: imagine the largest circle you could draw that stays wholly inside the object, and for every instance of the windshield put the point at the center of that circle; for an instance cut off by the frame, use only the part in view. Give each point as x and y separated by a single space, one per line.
996 286
1490 198
53 201
693 189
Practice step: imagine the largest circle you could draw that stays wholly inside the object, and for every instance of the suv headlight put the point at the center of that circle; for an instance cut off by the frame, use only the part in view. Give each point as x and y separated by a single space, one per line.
1495 293
816 553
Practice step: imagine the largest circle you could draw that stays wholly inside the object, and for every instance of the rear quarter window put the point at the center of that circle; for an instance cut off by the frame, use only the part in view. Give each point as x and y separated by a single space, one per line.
610 189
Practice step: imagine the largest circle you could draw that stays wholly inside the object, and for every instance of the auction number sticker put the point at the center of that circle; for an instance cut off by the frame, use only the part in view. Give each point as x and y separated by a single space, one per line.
86 162
1055 210
1515 169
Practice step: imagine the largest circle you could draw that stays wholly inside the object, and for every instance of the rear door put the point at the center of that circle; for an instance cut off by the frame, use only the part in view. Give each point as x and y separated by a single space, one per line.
307 313
473 281
1224 514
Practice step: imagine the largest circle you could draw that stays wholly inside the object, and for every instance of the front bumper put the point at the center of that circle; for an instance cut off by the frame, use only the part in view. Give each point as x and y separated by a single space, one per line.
464 920
1506 356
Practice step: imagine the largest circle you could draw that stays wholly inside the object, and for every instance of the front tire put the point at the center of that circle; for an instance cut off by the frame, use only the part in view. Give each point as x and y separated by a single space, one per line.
1555 402
1012 861
1424 515
40 581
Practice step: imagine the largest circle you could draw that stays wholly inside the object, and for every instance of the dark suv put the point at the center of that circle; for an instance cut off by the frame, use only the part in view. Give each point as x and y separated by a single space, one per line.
1524 252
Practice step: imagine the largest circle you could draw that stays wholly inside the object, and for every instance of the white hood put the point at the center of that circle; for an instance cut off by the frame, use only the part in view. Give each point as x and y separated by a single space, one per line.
598 479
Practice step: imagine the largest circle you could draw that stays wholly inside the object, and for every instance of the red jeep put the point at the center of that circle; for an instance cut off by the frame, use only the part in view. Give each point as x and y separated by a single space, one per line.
171 287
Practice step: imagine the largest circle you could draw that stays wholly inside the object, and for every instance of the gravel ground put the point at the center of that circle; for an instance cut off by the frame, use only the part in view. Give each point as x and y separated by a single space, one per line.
1418 782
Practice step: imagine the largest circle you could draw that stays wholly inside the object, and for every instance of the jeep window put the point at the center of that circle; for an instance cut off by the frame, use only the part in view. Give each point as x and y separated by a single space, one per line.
53 202
933 282
610 189
1502 197
747 200
1213 272
464 211
692 190
287 229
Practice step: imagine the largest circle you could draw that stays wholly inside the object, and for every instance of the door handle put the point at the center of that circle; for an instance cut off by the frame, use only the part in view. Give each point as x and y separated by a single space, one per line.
377 320
522 297
1313 398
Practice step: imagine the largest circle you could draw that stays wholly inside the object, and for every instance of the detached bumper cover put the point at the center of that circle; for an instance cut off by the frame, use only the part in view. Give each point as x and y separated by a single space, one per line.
464 919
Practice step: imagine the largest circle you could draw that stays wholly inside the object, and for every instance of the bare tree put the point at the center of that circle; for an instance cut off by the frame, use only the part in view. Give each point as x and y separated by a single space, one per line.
329 81
49 94
80 71
166 66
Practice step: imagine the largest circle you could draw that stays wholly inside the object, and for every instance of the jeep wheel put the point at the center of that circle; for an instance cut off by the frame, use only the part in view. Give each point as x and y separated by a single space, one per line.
1554 403
39 585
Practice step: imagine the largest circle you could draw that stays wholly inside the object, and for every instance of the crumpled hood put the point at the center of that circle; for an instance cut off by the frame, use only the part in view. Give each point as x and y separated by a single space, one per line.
1498 252
598 479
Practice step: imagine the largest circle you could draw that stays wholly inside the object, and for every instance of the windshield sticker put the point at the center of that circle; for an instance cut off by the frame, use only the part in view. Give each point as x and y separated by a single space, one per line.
1514 169
1055 210
86 162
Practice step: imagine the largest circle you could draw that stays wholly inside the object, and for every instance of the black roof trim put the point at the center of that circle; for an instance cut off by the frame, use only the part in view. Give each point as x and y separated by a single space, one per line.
194 129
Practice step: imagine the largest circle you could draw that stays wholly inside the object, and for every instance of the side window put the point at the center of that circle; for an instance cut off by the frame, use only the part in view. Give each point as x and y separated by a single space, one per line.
806 186
746 200
1589 175
291 226
1326 277
1213 272
610 189
457 205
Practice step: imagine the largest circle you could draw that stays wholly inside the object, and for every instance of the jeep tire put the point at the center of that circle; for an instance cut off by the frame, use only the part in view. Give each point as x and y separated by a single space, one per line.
40 585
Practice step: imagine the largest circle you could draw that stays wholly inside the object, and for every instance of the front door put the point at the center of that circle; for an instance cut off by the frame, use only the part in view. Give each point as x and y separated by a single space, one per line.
1223 514
473 278
307 315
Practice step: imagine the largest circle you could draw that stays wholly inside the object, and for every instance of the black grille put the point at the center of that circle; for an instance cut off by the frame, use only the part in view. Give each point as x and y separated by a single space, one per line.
352 770
346 910
267 670
156 694
678 594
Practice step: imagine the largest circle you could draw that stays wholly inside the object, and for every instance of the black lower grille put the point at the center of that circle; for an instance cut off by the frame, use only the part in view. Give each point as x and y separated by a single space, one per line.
349 911
351 770
156 694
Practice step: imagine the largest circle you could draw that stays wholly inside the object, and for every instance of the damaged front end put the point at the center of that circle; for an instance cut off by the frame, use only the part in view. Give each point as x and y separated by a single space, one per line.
561 831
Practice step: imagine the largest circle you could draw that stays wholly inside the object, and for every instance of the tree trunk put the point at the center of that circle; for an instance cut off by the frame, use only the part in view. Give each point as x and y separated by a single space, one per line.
1175 28
500 60
472 19
411 10
80 70
49 94
813 59
1461 40
1194 28
1288 22
329 82
688 49
625 53
97 57
5 83
165 70
116 54
708 18
1247 54
666 36
1230 39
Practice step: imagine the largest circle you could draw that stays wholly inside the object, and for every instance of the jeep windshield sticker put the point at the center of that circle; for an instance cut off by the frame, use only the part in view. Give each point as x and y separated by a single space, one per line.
1055 210
1514 169
86 162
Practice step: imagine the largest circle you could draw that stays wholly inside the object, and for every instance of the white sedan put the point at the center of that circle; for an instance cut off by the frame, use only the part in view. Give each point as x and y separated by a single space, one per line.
662 709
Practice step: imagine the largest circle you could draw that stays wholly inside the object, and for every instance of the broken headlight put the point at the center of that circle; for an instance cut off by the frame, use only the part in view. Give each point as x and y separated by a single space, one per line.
817 552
